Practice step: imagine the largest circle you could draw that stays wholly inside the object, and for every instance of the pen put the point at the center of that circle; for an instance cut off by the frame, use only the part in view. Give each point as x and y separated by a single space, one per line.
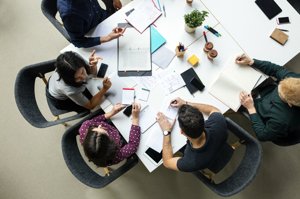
174 102
214 30
159 5
205 36
283 30
211 31
164 9
241 56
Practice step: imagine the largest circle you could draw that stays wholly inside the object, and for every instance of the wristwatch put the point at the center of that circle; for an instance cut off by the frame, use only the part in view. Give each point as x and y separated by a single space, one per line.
167 132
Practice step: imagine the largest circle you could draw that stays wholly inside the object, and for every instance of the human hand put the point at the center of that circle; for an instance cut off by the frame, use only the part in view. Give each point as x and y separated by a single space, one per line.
117 4
245 60
178 103
106 83
136 108
164 123
117 32
117 108
247 102
93 60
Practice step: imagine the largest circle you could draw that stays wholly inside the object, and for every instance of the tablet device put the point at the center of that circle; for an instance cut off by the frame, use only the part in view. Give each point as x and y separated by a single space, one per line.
269 7
153 156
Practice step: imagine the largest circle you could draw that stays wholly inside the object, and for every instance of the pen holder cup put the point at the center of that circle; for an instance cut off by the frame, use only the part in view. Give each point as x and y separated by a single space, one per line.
178 53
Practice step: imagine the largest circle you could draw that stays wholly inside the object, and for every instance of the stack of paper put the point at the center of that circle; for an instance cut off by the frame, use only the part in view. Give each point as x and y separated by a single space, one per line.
143 15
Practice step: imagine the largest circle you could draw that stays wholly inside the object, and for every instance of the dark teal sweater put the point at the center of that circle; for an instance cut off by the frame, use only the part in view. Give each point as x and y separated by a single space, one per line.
274 118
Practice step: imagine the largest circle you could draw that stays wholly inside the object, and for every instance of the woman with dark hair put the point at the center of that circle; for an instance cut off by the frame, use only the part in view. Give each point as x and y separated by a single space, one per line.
102 142
66 88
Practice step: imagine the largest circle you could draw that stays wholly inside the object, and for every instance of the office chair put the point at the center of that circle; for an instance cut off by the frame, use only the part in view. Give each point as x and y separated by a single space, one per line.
247 169
78 166
26 100
49 9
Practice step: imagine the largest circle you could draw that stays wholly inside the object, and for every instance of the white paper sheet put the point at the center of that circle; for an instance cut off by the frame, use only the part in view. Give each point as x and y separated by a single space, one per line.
169 111
172 83
162 57
146 118
114 94
149 82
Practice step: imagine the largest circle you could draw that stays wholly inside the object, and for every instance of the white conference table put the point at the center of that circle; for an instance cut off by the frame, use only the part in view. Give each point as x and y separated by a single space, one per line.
172 28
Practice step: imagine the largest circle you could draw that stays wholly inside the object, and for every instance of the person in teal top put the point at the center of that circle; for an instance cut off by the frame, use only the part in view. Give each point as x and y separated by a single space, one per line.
276 112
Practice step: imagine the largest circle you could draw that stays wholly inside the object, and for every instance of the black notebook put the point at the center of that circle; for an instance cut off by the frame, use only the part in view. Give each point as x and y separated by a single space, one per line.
295 4
269 7
187 76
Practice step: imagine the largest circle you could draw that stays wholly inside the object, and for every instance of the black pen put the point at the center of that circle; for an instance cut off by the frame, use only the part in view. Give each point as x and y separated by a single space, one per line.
174 102
283 30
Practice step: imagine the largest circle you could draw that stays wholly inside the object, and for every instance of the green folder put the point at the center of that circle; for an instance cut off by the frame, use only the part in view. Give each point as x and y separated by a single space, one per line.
156 39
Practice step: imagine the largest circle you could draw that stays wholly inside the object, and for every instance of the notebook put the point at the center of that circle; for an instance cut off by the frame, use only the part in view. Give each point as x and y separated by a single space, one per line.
187 76
156 39
234 79
269 7
295 4
127 96
279 36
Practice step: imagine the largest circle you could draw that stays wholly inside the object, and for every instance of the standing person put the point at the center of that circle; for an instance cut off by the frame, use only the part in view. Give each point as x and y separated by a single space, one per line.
66 87
204 139
276 112
102 142
80 16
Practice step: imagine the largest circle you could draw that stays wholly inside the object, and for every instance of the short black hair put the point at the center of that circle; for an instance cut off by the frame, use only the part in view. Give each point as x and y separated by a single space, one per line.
66 66
99 148
191 121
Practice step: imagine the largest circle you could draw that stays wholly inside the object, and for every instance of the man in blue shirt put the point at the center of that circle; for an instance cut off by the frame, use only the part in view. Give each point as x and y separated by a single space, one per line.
80 16
204 139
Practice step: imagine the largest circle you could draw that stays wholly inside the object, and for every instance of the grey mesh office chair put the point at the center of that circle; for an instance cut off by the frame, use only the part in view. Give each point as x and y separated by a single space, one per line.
49 9
245 172
26 100
78 166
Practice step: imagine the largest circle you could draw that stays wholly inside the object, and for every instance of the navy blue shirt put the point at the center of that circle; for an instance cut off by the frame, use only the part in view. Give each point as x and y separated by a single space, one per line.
79 17
201 158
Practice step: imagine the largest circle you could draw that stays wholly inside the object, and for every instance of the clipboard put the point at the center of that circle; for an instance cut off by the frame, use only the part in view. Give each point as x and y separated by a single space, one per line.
136 72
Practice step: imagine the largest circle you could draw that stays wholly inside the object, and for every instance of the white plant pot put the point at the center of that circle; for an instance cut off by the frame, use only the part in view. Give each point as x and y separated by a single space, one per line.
189 29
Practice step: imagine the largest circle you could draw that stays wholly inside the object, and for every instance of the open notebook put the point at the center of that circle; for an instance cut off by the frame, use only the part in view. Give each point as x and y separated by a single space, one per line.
234 79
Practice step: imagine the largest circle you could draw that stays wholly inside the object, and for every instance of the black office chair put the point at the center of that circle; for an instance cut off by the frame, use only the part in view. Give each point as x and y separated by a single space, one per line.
26 100
78 166
246 171
49 9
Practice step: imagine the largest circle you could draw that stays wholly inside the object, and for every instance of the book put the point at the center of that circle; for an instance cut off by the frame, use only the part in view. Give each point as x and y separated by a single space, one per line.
187 76
157 40
234 79
269 7
193 60
279 36
143 15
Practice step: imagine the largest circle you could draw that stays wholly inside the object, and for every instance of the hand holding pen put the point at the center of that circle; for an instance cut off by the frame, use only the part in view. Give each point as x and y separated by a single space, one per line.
177 102
244 60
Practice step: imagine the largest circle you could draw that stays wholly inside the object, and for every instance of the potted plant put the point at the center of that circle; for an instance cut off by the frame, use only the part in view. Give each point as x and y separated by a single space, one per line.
194 19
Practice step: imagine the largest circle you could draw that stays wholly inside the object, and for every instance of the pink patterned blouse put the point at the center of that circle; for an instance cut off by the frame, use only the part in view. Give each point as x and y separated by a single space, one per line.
122 153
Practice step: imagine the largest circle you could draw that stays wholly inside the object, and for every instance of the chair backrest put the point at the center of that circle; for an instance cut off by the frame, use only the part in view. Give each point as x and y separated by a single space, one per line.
246 171
78 166
49 9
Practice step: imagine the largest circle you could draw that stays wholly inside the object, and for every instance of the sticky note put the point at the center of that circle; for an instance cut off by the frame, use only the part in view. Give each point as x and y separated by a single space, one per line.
193 60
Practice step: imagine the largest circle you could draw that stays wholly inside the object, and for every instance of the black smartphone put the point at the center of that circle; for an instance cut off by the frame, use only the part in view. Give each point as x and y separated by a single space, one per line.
102 70
197 84
154 155
128 110
283 20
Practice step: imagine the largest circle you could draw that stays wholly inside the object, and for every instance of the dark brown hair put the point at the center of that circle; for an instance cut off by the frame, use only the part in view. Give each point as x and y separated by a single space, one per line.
99 148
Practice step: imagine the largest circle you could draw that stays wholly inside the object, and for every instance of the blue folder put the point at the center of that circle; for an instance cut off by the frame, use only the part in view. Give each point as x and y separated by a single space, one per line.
156 39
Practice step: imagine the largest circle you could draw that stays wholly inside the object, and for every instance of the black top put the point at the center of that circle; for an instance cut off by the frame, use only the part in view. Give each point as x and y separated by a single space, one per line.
216 135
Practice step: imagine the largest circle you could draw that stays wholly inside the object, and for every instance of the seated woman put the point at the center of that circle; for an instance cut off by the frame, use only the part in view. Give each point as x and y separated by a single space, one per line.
101 142
66 87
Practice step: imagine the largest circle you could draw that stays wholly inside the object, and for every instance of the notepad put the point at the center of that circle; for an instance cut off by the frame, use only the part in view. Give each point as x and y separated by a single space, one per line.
144 94
193 60
127 95
279 36
234 79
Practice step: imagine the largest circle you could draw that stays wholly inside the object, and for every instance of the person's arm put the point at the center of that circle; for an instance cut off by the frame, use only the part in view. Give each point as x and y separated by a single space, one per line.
134 136
116 109
266 67
169 161
116 33
97 98
204 108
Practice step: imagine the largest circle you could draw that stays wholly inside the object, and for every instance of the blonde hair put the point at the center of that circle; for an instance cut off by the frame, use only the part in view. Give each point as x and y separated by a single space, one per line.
289 90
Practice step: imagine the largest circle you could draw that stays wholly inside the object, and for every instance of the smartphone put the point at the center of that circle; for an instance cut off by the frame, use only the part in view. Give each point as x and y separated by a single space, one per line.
153 156
283 20
102 70
128 110
197 84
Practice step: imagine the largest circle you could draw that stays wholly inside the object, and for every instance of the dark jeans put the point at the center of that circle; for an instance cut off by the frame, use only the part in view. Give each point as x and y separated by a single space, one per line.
67 104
